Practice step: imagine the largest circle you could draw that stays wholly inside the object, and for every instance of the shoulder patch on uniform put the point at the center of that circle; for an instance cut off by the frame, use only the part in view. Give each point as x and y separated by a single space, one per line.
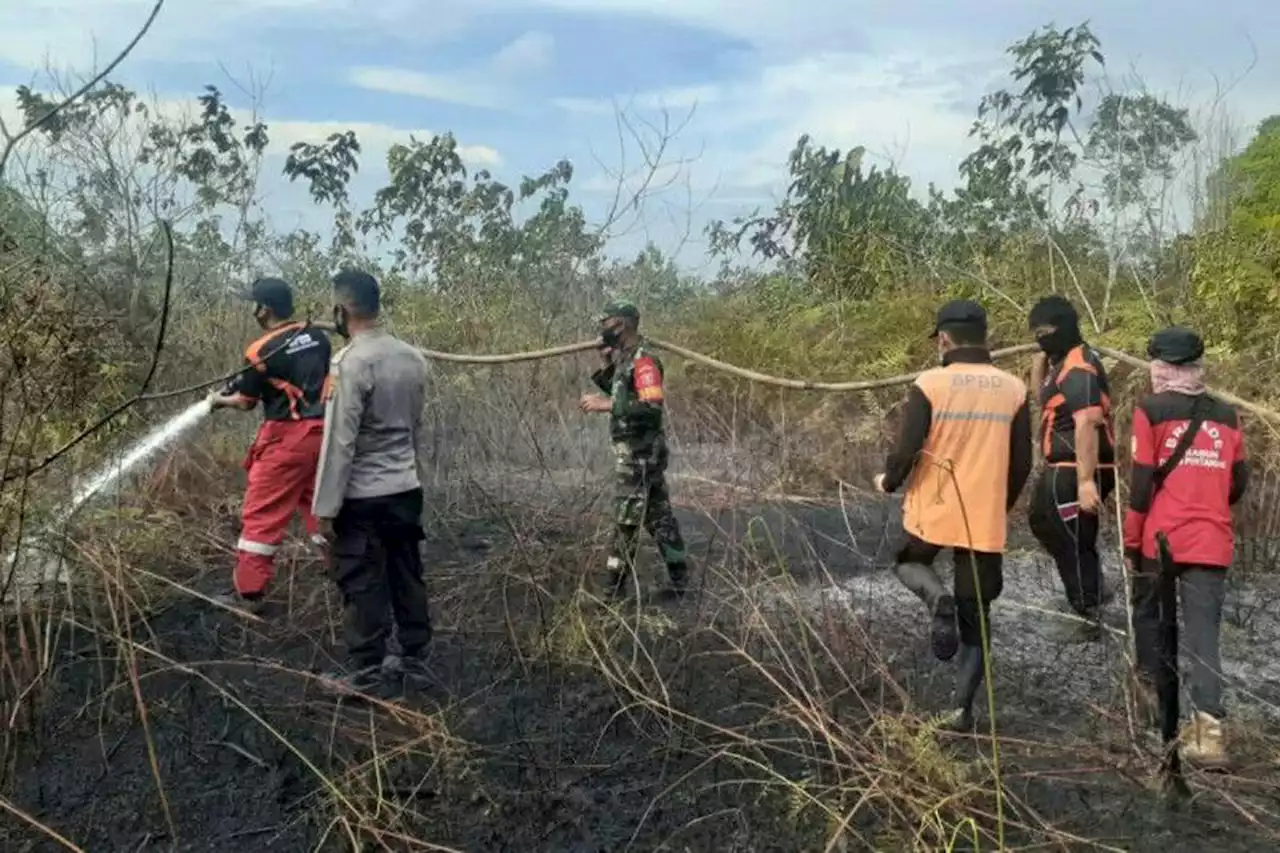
648 380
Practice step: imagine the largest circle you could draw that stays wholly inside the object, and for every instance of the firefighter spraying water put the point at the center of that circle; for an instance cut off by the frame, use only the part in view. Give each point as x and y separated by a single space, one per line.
286 370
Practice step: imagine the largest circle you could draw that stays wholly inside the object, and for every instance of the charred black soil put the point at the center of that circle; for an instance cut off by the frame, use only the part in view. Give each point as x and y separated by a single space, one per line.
779 701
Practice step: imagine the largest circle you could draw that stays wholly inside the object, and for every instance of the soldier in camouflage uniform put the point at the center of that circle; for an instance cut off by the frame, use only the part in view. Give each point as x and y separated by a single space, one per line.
632 378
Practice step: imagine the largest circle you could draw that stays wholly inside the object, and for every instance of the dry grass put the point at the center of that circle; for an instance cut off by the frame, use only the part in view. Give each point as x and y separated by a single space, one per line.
762 715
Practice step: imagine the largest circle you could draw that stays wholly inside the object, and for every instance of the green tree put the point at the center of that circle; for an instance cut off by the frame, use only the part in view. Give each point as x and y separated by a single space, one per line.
853 229
1026 135
653 281
1133 140
1237 265
1249 182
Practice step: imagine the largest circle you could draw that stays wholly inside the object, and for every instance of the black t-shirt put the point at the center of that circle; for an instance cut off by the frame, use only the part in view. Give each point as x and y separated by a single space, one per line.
1075 384
287 369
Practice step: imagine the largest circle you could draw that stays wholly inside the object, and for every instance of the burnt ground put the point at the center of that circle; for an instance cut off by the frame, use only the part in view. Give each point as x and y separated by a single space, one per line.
794 677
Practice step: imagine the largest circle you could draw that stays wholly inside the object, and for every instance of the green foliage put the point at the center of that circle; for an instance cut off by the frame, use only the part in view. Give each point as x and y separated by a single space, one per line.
1136 137
1054 197
855 229
1251 181
1022 151
1235 285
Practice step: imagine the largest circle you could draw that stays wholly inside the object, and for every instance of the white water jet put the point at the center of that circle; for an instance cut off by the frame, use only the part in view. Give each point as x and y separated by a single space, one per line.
162 436
41 564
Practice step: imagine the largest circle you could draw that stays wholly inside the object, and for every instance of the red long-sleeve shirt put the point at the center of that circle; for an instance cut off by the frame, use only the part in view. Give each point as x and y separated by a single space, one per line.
1193 507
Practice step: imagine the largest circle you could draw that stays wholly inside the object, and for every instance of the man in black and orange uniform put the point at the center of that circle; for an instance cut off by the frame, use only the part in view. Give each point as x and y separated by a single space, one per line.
1078 442
964 454
1190 503
286 370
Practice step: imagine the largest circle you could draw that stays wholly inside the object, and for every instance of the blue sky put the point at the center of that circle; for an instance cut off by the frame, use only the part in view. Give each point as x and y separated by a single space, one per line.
525 82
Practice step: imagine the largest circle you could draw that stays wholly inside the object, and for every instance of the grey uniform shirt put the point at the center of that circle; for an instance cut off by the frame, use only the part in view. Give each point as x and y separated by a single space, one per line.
373 422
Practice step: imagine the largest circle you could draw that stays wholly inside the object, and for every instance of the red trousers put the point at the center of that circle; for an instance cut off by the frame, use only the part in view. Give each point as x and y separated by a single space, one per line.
282 464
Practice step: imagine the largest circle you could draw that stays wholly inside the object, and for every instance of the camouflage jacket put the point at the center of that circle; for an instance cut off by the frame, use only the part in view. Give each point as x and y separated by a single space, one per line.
634 381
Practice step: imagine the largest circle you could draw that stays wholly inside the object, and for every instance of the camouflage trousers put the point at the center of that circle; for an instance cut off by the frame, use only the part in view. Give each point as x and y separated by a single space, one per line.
640 499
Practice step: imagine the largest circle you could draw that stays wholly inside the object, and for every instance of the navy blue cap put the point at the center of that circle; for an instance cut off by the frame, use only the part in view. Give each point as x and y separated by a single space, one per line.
1175 345
273 293
960 312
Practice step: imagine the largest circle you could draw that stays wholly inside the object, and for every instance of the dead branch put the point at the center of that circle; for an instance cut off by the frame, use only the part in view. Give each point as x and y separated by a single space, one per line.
143 386
11 141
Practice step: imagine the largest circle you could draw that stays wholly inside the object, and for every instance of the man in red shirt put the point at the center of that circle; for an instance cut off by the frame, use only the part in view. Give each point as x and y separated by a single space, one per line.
287 371
1189 502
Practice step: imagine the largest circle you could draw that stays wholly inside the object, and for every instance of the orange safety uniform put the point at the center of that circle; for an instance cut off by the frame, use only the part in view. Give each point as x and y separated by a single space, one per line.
287 370
961 455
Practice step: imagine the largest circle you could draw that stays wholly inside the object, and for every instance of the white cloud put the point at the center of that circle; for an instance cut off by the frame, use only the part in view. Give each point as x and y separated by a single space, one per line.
375 138
86 34
531 52
759 21
449 88
906 108
484 84
680 99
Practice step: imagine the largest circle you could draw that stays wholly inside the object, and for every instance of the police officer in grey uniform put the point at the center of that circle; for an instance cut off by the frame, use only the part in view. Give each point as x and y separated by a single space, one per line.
369 492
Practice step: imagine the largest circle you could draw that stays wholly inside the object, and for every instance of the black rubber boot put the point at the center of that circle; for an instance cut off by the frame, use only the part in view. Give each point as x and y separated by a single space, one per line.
970 670
944 634
616 585
928 587
678 575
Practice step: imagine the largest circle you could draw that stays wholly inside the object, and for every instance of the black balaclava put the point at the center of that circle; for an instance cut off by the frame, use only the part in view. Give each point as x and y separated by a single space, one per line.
1057 312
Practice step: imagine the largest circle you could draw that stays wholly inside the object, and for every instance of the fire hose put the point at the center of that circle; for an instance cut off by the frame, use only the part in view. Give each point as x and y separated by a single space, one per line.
799 384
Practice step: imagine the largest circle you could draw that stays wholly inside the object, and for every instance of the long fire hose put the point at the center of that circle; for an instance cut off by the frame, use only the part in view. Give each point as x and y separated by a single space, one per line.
798 384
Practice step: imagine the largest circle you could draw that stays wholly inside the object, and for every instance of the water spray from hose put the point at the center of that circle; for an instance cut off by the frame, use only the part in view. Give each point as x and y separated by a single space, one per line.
41 564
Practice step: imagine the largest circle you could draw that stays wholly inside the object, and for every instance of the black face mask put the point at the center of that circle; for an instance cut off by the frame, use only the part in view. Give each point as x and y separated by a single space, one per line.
1059 342
340 321
610 338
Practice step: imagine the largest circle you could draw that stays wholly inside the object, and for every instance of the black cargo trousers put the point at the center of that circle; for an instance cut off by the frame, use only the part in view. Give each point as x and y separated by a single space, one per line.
1069 535
377 565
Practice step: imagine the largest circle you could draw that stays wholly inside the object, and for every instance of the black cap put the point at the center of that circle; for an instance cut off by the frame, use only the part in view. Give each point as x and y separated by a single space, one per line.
1175 345
960 312
620 310
273 293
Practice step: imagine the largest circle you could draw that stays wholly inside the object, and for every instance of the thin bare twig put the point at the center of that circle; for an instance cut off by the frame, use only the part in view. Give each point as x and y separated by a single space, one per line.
11 142
156 352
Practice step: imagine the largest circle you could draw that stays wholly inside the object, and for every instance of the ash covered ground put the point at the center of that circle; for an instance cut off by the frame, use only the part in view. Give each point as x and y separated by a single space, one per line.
541 736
